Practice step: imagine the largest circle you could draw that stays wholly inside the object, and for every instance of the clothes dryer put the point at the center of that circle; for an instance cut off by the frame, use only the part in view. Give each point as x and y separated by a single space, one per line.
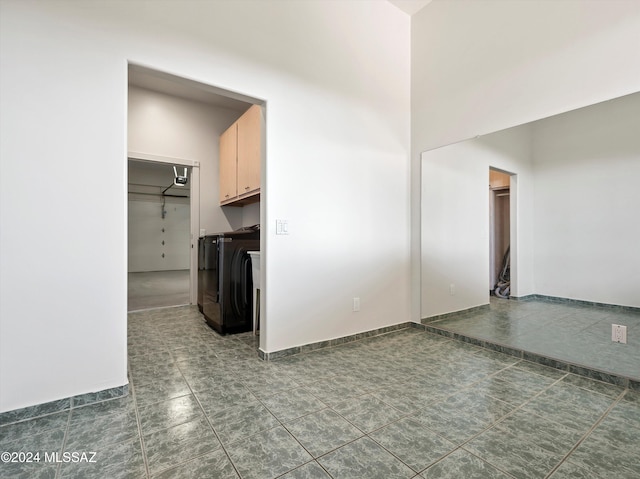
228 305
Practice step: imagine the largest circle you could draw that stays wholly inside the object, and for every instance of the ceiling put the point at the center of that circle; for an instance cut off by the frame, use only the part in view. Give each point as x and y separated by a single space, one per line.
410 6
189 89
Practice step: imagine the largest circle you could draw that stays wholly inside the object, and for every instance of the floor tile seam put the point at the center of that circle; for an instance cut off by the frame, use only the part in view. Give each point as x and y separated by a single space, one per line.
522 408
502 432
496 466
603 396
39 431
282 421
569 374
539 393
285 421
332 346
506 416
564 376
324 453
587 434
215 433
332 405
543 355
183 462
420 471
245 438
475 383
31 418
337 448
492 376
460 447
139 425
522 360
302 465
365 433
58 472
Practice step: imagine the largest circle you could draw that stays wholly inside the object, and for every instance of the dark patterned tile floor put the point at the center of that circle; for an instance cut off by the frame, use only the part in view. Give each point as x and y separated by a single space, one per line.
569 332
408 404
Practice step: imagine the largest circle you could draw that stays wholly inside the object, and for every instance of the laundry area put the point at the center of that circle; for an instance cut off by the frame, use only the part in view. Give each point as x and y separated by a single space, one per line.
195 154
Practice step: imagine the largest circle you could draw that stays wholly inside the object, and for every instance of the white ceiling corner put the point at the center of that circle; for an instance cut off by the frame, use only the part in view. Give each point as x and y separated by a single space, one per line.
410 6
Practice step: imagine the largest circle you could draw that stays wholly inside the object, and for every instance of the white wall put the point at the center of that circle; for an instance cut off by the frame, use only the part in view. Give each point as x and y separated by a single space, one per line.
250 214
165 125
587 203
479 67
335 76
455 220
576 198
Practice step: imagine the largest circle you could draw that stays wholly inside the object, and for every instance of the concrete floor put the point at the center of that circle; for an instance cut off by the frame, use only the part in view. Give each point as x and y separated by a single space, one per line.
157 289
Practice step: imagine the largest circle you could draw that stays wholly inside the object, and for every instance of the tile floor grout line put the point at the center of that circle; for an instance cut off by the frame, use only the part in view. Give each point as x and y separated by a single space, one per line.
567 363
373 391
64 443
585 435
364 434
443 399
498 308
588 433
501 419
401 460
143 449
282 424
204 413
368 434
474 455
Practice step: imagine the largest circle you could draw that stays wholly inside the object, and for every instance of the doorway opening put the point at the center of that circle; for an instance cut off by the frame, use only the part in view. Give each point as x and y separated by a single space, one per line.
179 122
500 240
160 223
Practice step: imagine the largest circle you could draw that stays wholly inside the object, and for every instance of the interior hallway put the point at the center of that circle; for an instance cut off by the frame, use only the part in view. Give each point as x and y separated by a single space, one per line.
157 289
408 404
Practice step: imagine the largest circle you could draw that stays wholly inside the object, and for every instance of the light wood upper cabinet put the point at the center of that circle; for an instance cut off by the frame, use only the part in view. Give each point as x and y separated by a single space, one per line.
497 179
240 155
249 133
228 164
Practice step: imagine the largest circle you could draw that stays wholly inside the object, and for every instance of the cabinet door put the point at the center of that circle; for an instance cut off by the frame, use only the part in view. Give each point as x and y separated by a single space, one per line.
249 151
228 164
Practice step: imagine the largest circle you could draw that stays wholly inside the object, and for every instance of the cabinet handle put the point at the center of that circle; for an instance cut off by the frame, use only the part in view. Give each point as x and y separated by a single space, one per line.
246 187
226 196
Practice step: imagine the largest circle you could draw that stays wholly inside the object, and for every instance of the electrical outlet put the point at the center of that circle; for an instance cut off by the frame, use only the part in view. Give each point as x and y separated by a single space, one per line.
452 289
356 304
619 333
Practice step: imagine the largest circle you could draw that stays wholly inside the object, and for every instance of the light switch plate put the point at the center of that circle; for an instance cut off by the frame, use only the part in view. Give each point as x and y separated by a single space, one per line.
282 227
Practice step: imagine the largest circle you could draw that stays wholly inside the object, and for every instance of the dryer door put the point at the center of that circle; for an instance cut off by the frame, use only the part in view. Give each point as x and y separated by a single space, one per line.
238 288
241 285
210 276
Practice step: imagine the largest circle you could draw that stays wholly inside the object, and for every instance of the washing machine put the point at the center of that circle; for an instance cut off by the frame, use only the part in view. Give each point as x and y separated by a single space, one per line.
228 284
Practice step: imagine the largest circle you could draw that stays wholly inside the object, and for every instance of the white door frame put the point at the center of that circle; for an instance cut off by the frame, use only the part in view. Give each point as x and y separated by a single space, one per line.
513 229
194 207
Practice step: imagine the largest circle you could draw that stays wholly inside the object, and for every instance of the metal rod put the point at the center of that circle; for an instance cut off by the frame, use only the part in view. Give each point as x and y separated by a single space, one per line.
158 194
164 191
